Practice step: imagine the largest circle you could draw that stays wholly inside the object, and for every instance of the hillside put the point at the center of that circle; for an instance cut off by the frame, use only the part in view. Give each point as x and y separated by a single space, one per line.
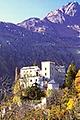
56 38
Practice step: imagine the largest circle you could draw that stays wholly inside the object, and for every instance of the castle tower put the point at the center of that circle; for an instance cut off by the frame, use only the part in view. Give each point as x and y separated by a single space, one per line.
16 74
48 69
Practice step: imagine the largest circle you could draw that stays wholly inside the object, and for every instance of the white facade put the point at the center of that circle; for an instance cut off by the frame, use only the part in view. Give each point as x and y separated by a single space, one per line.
53 72
30 75
54 75
29 71
48 69
29 81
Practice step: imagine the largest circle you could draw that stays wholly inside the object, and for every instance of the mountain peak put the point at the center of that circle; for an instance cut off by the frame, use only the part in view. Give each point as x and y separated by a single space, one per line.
73 3
31 22
71 8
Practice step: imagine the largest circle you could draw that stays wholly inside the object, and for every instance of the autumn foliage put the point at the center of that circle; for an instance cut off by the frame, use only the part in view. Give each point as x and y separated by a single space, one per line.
77 81
63 104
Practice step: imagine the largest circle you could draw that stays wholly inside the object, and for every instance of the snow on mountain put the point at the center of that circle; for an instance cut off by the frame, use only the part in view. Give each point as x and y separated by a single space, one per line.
33 24
62 14
71 8
52 38
55 38
29 23
56 17
58 22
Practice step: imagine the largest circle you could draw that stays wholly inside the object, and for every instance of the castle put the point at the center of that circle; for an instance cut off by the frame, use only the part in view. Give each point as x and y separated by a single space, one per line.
50 75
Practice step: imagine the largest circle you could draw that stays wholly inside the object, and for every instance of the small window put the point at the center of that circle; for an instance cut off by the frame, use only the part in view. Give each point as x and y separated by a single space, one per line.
36 73
45 73
36 80
45 68
30 80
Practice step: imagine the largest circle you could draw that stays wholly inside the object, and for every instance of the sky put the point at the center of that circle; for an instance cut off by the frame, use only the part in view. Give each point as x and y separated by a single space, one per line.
16 11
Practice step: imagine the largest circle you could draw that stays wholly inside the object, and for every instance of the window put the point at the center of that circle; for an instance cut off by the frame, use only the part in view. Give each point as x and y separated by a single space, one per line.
45 73
45 68
30 80
36 73
36 80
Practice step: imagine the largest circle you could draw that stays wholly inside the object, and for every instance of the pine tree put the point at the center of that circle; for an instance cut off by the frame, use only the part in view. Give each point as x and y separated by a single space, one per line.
70 75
